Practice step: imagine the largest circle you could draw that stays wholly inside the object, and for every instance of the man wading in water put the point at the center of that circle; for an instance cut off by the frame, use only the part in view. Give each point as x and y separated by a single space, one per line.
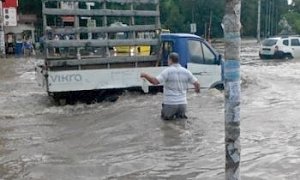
175 80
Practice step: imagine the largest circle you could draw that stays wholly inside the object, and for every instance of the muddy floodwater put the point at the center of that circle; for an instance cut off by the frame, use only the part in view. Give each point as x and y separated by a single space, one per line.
128 140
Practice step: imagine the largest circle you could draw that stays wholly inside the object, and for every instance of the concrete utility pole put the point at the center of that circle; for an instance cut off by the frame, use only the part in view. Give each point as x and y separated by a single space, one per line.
231 26
258 20
2 37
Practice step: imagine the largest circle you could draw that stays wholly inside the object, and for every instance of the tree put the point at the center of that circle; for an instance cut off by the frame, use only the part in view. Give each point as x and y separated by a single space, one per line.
293 16
171 16
248 17
232 26
177 15
271 13
295 6
31 7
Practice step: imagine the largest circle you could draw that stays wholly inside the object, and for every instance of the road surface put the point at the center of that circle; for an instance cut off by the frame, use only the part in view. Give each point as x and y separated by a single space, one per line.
127 139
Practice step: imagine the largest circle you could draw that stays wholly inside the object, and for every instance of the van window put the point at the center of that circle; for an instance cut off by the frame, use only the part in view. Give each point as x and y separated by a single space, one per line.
167 48
196 52
200 53
285 42
269 42
295 42
209 56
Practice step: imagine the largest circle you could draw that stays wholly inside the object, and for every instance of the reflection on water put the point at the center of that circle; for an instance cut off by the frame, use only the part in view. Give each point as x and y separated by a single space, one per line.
127 139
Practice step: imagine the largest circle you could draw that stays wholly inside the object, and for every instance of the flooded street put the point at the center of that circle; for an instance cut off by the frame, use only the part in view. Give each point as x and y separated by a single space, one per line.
128 140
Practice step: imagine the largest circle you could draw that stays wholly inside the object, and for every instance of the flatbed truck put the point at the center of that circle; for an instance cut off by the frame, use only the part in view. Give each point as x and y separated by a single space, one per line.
80 58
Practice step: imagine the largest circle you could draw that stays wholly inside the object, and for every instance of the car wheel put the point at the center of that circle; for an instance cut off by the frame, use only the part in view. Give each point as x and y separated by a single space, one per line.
279 55
219 87
262 56
288 56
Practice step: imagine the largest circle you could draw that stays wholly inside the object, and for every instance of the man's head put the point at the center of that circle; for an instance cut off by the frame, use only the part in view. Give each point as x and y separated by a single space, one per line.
173 58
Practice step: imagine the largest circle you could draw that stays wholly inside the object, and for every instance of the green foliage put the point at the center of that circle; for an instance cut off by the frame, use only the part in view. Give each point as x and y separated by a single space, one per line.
296 6
293 16
293 19
171 16
177 15
249 17
31 7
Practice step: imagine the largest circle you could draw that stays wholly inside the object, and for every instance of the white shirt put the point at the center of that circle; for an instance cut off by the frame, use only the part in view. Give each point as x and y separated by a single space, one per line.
175 80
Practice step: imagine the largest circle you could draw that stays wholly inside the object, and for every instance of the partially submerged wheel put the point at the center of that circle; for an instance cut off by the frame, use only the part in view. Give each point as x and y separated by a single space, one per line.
62 102
288 56
59 99
219 87
263 56
282 55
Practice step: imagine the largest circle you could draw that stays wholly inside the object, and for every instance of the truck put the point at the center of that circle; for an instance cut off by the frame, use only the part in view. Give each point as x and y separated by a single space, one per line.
80 57
145 50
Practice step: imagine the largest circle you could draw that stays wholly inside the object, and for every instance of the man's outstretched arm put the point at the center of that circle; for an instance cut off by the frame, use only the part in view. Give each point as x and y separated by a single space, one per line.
150 78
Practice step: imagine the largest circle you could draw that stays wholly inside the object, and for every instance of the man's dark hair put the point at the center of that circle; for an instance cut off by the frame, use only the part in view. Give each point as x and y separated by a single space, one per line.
174 57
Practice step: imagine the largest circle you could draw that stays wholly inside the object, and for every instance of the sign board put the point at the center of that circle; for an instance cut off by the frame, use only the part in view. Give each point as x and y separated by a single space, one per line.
10 16
193 28
10 3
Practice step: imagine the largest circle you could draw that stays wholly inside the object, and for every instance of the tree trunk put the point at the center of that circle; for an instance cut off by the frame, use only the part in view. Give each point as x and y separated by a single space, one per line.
231 26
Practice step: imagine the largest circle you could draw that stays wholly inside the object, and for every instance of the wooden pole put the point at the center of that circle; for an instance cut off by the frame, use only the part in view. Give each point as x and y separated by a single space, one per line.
258 20
270 19
266 19
209 26
205 31
231 26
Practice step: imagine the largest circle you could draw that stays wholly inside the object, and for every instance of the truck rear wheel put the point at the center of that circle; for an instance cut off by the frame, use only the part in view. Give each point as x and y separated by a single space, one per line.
62 102
59 99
